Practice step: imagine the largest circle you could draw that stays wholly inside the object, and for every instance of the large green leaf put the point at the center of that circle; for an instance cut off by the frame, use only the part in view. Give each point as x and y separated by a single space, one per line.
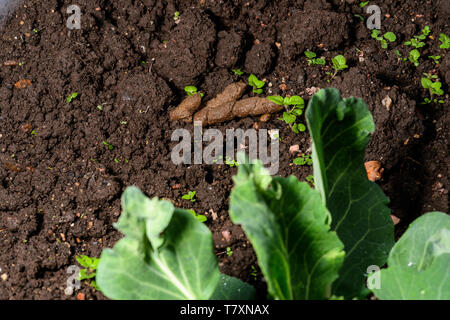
419 263
231 288
285 221
340 131
158 259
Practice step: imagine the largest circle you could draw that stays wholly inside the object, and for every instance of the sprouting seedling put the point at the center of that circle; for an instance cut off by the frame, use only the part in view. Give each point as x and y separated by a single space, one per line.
231 162
35 30
229 252
416 41
191 90
91 265
435 59
294 108
176 15
303 160
237 72
197 216
254 272
313 60
414 56
339 64
388 36
72 96
363 4
310 179
445 41
256 84
433 87
189 196
110 146
360 17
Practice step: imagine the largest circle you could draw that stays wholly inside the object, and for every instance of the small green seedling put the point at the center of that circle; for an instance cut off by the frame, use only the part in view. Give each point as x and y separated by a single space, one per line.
414 56
363 4
71 97
310 179
388 36
33 132
91 265
254 273
399 55
445 41
229 252
294 108
339 64
237 72
21 63
197 216
110 146
256 84
360 17
416 41
303 160
433 87
176 15
435 59
313 60
231 162
191 90
189 196
35 30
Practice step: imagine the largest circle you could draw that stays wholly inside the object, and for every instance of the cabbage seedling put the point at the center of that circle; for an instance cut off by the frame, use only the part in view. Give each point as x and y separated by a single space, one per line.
388 36
237 72
91 265
339 64
191 90
256 84
197 216
433 87
294 108
303 160
189 196
313 60
445 41
71 97
435 59
416 40
414 56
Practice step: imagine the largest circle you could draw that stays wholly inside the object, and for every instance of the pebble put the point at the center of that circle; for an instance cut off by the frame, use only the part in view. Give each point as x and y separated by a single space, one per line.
387 102
4 276
294 149
265 117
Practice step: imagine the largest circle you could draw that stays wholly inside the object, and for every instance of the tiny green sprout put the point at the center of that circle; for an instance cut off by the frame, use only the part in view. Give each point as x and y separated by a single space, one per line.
294 108
21 63
254 272
189 196
416 41
231 162
399 55
363 4
116 160
388 36
313 60
360 17
339 64
310 179
100 107
256 84
237 72
35 30
229 252
90 270
72 96
433 87
191 90
176 15
110 146
34 133
303 160
414 56
123 122
435 59
445 41
197 216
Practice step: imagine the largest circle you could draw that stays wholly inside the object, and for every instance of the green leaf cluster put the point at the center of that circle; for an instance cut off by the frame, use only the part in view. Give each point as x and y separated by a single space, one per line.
388 36
256 84
294 108
313 60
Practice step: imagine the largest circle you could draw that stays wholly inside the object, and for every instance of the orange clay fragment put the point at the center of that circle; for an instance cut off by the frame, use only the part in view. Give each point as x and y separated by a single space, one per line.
186 108
374 170
23 83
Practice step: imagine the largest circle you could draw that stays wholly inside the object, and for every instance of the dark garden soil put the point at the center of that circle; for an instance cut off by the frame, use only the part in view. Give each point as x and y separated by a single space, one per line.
60 186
